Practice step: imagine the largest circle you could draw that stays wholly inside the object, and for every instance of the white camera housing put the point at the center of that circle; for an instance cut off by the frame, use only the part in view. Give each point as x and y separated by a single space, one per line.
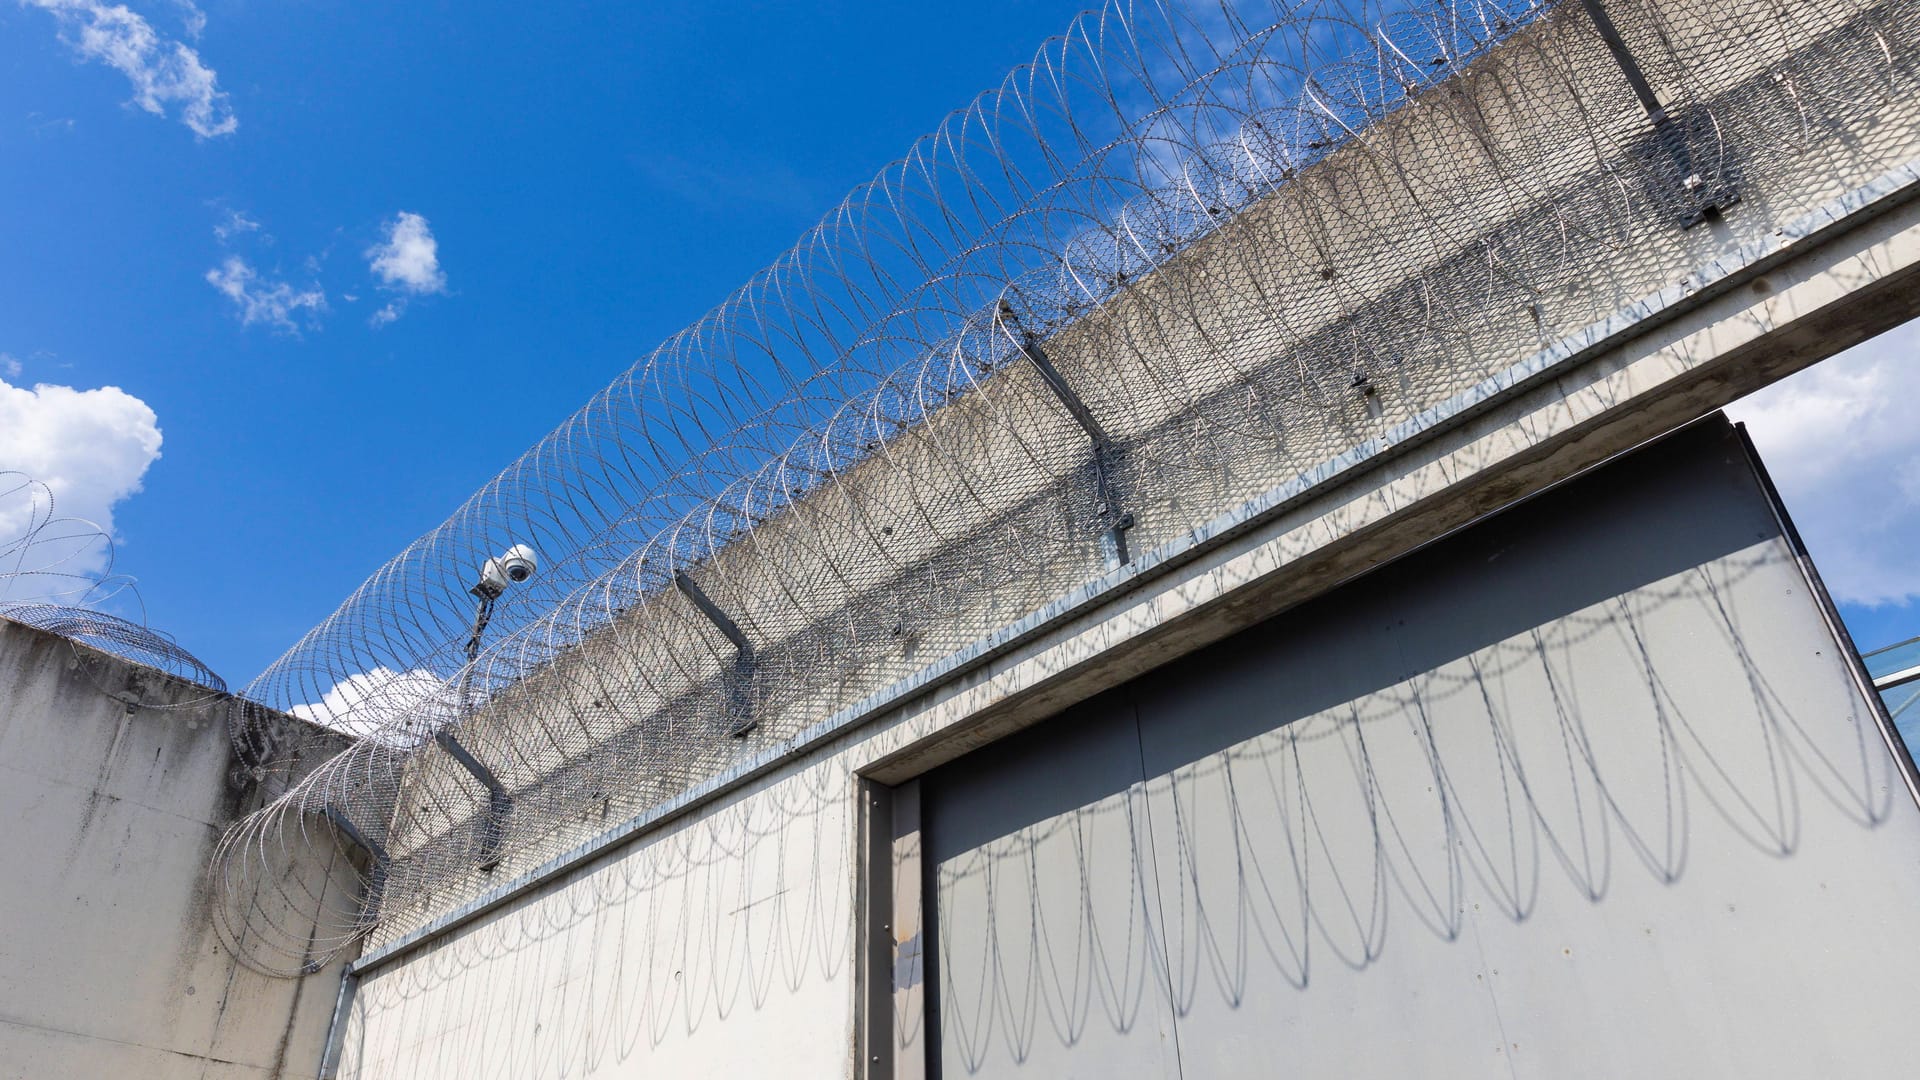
514 565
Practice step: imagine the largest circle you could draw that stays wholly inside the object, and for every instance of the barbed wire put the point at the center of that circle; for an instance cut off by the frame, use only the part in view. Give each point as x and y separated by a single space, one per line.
54 558
57 574
1186 255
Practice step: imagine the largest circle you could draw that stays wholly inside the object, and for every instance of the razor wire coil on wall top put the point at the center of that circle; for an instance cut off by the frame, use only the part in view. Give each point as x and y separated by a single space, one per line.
57 574
1186 255
121 637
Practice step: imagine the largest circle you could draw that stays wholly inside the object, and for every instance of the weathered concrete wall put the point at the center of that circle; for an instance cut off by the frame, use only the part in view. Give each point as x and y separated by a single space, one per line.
114 788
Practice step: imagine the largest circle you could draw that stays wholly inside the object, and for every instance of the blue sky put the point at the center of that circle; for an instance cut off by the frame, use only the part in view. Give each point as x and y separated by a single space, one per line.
592 182
344 262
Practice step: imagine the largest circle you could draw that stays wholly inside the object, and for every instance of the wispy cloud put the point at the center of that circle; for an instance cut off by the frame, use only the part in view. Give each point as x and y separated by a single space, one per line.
192 19
406 262
259 300
164 72
1840 442
711 186
9 366
43 126
233 224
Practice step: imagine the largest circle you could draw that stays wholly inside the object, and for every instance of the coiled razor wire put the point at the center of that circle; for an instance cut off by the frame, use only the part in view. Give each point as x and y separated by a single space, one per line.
122 637
1184 256
57 574
54 558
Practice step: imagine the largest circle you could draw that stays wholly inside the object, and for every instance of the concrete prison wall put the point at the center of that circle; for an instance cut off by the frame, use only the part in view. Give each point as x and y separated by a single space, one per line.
1467 233
1591 789
735 929
116 783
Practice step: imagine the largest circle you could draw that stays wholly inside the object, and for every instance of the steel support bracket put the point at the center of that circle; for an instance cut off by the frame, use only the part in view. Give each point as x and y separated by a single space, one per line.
376 855
740 682
499 802
1113 539
1702 199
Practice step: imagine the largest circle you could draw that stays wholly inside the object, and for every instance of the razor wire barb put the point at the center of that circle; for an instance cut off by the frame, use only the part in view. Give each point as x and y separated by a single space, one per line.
1187 254
57 574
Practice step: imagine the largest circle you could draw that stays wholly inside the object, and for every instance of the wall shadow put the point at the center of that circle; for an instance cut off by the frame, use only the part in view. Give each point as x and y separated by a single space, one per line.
1588 685
636 962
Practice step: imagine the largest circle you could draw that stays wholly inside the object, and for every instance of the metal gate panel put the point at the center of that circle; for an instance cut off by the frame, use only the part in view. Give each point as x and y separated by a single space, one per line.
1049 953
1589 789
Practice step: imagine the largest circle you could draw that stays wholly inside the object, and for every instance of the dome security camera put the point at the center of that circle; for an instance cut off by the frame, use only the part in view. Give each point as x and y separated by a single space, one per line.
512 566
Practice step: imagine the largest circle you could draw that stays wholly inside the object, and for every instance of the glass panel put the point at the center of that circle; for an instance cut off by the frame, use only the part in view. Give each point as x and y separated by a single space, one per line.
1893 658
1903 704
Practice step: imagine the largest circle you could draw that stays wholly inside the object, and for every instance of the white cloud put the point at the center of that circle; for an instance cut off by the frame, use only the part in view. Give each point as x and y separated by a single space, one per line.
9 366
192 19
163 72
234 224
407 262
398 707
91 448
1842 446
258 300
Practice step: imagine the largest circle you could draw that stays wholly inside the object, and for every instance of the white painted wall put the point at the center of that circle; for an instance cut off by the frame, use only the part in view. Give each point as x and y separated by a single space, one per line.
1587 791
720 946
505 996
